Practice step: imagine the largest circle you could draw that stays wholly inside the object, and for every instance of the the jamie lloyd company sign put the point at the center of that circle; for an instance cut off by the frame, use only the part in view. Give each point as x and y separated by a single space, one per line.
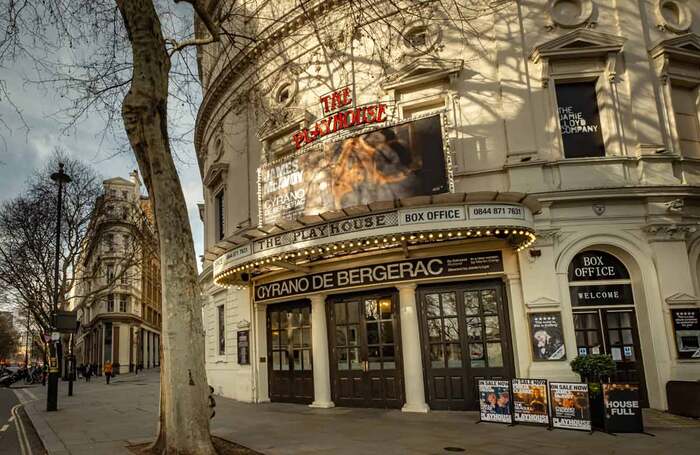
337 117
410 269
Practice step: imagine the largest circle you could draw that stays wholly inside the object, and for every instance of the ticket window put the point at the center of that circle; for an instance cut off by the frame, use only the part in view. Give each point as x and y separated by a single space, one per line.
604 313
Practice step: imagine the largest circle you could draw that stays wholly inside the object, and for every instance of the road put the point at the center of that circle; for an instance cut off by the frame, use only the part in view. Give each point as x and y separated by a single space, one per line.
17 435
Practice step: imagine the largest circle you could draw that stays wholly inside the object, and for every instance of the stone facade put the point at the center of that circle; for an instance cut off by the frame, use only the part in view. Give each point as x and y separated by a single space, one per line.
117 296
611 170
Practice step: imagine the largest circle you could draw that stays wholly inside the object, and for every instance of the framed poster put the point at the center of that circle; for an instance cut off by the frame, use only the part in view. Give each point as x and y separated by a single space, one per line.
398 161
494 401
243 344
547 337
530 401
570 405
686 327
623 414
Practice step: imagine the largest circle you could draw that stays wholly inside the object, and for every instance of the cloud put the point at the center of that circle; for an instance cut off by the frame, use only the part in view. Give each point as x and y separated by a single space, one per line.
25 150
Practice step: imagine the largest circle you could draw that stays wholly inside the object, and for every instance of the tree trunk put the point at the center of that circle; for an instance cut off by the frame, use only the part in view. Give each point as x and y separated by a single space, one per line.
184 425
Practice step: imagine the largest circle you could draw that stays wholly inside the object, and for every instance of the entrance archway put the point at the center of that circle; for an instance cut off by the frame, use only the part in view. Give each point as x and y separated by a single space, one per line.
605 320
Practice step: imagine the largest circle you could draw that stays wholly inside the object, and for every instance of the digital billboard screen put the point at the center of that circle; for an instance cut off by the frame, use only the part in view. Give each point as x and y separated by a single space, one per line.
399 161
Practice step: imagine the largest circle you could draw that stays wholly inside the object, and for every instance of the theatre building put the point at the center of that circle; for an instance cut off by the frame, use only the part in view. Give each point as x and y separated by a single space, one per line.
401 198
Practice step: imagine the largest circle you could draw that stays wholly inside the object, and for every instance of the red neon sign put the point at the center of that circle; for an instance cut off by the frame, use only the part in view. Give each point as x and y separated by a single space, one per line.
334 122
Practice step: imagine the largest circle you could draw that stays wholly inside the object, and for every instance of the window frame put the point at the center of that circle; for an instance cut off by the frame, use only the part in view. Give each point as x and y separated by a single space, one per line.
608 112
219 214
221 329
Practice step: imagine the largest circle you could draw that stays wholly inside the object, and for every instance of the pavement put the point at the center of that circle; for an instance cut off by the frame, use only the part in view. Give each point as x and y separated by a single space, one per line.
104 419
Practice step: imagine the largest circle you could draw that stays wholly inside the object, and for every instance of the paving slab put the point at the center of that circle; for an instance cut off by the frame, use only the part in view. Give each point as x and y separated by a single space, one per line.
104 419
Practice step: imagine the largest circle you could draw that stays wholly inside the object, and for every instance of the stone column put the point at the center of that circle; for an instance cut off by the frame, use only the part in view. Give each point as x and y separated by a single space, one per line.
319 347
410 344
259 334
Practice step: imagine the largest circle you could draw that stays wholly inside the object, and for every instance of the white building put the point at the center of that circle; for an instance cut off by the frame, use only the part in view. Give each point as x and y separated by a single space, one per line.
521 189
118 294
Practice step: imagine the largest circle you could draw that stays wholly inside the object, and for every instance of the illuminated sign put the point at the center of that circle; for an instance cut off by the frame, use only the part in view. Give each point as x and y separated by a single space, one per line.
410 269
334 122
388 223
399 161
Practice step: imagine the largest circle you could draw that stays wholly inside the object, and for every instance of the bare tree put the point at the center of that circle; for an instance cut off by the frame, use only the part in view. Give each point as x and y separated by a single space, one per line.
27 237
9 339
139 54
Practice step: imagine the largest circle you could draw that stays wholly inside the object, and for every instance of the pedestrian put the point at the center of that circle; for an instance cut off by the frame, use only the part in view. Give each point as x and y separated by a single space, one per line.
88 372
44 372
108 371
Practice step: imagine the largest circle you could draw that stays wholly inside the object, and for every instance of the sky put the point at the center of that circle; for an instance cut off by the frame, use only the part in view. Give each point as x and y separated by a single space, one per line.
22 150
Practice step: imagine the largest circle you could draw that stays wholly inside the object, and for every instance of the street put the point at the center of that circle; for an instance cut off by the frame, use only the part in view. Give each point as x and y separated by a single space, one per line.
105 419
17 435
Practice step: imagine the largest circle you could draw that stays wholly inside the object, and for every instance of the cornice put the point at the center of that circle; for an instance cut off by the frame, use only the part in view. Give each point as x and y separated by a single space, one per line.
273 34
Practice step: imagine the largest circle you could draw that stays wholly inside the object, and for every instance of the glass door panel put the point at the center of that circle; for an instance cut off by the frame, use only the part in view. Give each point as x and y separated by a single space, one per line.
613 332
466 336
289 352
366 357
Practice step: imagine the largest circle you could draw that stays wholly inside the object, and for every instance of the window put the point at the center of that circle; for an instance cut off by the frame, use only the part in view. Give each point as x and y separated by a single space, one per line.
417 38
123 303
219 206
109 242
222 333
110 272
125 213
124 279
579 119
110 303
108 342
685 107
125 194
284 93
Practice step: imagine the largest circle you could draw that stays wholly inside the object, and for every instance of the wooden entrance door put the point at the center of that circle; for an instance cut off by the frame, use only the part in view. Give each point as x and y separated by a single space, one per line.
465 337
364 343
289 352
613 331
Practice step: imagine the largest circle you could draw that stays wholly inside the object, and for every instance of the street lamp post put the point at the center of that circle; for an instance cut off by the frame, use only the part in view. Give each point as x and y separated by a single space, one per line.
59 177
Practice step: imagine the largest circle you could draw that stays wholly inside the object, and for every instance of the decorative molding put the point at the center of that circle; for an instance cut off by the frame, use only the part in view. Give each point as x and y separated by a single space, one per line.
669 232
674 206
561 18
684 49
420 71
578 44
681 298
243 324
598 208
683 16
216 171
542 302
433 38
546 237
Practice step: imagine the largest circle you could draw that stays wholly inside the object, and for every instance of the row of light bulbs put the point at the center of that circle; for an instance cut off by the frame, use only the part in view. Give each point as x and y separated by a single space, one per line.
379 243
